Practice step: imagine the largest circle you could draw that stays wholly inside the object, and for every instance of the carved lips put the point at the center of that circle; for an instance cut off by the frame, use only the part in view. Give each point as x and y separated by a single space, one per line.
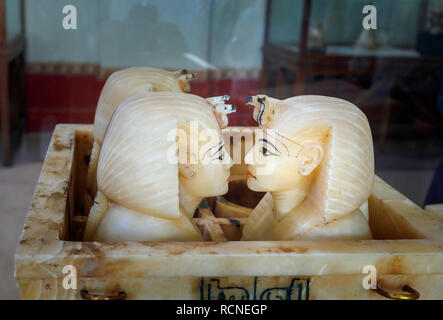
250 175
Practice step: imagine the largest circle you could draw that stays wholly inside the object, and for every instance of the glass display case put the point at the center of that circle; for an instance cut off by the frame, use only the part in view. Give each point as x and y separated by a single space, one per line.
14 24
392 72
281 48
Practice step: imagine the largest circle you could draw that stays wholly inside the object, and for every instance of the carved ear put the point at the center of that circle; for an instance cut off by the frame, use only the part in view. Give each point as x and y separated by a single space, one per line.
187 170
187 165
310 156
149 87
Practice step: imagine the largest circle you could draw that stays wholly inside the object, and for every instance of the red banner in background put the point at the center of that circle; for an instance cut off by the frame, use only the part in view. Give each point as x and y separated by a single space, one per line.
58 98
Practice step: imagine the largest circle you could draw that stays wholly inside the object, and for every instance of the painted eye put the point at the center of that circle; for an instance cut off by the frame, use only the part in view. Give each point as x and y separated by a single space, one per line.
221 157
265 151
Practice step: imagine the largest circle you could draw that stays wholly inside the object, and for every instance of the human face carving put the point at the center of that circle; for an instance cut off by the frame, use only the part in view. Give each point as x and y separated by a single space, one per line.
207 173
277 163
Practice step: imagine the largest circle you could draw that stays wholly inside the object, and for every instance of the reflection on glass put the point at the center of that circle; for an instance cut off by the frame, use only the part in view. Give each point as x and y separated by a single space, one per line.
13 25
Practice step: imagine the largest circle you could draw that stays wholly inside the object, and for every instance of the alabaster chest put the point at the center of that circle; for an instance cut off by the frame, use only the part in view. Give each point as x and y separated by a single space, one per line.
406 250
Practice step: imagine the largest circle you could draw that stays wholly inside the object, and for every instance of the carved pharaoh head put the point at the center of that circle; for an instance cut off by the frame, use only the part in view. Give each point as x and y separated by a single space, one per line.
320 144
157 143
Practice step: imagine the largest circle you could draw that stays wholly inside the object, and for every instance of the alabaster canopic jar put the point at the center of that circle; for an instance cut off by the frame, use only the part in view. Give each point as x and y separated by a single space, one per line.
314 158
161 155
121 85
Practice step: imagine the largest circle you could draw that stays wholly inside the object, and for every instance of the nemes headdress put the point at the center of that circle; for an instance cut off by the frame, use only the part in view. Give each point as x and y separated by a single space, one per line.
134 160
131 81
346 173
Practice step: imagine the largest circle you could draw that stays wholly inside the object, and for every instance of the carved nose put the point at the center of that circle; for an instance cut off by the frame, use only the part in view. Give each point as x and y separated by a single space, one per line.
233 108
